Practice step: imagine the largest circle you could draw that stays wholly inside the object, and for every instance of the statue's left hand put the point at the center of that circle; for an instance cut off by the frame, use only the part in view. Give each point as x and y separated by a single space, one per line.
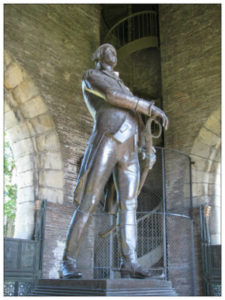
159 113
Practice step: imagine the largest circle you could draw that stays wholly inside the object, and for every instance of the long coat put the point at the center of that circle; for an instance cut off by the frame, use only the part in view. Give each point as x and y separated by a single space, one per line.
115 119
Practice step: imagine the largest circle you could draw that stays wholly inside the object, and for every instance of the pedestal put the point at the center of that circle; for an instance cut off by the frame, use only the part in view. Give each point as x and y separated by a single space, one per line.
101 287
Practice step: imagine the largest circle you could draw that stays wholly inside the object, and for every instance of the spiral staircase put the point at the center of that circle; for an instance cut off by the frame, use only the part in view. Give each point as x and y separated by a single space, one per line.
133 32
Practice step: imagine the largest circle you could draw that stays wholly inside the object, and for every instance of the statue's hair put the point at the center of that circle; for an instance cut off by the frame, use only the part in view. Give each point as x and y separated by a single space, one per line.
98 55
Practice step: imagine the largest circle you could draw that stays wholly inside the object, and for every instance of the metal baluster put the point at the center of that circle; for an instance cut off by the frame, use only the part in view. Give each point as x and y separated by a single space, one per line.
156 30
152 226
143 25
142 234
132 29
151 25
139 31
128 34
118 36
111 273
148 248
123 31
164 213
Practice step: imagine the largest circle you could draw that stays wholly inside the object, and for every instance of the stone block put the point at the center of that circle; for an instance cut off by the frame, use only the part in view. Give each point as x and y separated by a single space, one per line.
201 149
10 120
10 99
48 142
31 128
25 195
24 223
25 179
216 166
23 148
186 190
18 132
198 176
211 177
200 164
34 107
7 59
13 76
199 189
214 124
42 123
25 91
51 160
51 195
208 138
51 178
6 107
24 163
199 200
212 189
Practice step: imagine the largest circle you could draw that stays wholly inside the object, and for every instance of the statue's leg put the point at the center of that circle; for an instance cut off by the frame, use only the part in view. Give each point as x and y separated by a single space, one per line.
127 179
101 169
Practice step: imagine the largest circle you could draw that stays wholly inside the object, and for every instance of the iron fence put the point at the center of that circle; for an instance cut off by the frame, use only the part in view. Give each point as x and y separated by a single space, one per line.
164 224
23 260
149 245
210 251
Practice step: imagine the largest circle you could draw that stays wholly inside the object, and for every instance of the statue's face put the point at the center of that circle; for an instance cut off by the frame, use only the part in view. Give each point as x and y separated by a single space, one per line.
110 57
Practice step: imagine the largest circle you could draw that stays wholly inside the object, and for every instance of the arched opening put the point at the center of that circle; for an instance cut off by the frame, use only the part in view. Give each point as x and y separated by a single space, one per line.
206 153
35 145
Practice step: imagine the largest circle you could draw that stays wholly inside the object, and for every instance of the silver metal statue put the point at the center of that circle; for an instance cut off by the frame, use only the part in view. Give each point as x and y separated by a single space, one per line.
112 150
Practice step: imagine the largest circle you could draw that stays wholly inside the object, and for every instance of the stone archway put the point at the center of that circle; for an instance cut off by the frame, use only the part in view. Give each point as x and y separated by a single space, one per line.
35 144
205 153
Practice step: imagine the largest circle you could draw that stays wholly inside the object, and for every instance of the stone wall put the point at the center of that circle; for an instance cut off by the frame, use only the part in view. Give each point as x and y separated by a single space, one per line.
190 37
191 83
53 45
191 62
35 145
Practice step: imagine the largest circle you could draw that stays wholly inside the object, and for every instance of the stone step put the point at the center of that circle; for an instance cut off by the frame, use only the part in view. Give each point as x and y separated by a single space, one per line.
103 287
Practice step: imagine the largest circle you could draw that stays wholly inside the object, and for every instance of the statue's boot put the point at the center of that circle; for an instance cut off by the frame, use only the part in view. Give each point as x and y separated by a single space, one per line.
69 269
73 243
130 268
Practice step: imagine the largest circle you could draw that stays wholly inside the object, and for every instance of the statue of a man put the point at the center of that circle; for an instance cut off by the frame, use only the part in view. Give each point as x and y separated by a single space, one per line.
112 149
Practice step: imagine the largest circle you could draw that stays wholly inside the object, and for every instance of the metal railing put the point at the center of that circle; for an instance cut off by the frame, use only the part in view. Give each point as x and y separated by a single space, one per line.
149 245
165 235
23 259
136 26
211 254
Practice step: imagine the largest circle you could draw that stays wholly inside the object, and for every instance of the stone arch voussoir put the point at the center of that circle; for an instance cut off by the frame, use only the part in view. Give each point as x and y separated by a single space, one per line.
35 144
206 153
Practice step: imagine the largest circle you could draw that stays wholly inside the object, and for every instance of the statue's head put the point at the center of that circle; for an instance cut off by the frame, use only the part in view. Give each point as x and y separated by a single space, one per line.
105 53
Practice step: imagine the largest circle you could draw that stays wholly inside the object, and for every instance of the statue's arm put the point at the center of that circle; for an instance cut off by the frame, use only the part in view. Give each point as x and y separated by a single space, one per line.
95 80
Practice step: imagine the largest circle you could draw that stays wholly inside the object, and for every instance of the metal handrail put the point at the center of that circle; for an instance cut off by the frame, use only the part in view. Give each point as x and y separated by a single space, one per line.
145 28
156 209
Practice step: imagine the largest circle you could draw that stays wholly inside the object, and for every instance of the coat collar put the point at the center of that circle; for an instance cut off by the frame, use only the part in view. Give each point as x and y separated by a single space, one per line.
114 75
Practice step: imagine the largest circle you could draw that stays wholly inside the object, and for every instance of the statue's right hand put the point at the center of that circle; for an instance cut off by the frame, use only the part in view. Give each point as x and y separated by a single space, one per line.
155 111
